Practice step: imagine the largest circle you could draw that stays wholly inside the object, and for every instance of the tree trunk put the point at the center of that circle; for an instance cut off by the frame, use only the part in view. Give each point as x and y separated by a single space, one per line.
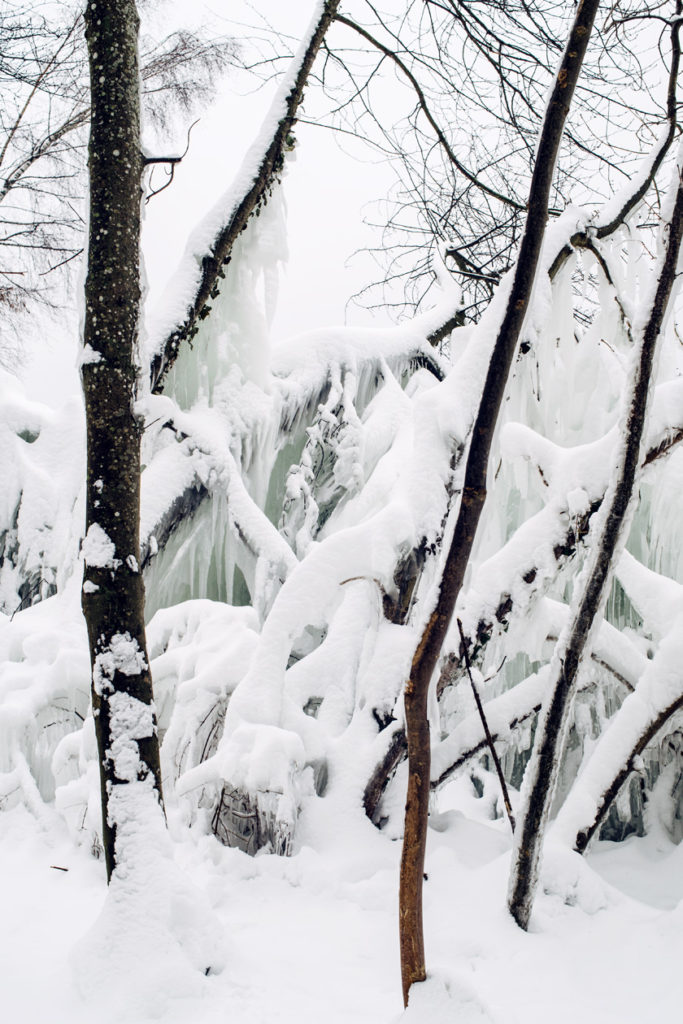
472 502
113 593
539 783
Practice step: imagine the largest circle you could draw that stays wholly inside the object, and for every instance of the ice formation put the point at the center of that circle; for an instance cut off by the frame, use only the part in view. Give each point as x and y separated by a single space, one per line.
293 495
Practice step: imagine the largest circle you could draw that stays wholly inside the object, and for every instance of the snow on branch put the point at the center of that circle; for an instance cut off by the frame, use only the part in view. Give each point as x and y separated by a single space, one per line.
656 598
210 249
197 465
643 715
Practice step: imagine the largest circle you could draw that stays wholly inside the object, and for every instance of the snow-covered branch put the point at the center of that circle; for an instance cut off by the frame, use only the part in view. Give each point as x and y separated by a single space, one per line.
255 182
641 718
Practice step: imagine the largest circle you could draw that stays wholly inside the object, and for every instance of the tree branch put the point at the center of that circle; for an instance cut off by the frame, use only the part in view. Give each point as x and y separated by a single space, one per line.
614 786
489 740
528 585
269 168
422 101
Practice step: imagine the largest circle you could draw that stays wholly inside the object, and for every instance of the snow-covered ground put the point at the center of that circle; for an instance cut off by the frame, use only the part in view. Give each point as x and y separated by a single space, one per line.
313 937
208 934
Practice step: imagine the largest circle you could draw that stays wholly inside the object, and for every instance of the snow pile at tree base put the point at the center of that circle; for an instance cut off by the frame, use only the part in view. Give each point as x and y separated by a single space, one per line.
314 937
442 999
157 936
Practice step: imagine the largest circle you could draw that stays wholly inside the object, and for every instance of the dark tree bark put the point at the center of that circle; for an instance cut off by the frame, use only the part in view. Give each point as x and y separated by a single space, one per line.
472 502
542 770
113 593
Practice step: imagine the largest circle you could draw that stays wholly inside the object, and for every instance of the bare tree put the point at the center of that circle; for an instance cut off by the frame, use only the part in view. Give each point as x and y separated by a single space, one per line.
486 63
44 113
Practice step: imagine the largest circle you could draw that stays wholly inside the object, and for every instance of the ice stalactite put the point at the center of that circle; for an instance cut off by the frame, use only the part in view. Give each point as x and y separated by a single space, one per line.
42 451
294 507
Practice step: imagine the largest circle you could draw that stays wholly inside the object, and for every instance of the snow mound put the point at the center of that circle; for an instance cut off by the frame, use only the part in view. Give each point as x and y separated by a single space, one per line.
156 939
444 998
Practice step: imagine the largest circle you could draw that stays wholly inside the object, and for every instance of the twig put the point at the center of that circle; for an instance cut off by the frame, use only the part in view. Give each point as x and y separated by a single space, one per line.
487 731
35 589
73 256
172 160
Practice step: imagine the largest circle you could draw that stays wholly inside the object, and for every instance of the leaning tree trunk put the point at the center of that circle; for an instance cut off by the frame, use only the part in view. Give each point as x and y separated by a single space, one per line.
216 260
473 496
113 594
541 775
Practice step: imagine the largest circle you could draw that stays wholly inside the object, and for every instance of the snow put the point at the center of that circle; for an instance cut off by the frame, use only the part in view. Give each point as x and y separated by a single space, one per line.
131 720
98 549
89 356
42 458
155 935
660 687
121 654
309 937
232 684
305 472
656 598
